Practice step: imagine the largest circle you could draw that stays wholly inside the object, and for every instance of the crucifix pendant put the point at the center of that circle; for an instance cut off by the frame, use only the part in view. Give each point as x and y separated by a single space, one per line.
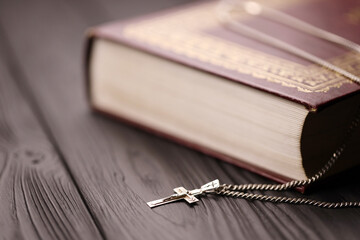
189 196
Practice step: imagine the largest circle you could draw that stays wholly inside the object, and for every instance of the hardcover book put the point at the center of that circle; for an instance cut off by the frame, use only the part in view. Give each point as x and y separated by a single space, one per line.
181 74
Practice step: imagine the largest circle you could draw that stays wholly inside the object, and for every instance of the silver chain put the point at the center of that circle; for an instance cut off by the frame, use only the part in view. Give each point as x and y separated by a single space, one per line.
239 191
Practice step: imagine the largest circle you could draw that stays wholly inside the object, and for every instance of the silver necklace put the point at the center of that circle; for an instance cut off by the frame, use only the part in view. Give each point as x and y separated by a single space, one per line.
244 190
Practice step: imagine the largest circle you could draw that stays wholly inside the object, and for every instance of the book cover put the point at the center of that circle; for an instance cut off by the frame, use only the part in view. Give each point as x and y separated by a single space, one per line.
192 35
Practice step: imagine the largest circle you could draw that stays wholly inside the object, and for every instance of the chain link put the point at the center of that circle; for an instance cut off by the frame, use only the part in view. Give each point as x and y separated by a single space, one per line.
239 191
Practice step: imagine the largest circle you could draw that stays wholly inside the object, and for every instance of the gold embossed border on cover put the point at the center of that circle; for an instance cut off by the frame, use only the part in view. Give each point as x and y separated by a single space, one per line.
183 33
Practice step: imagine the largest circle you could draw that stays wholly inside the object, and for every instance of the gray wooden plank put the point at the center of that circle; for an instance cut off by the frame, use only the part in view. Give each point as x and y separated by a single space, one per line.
38 199
118 168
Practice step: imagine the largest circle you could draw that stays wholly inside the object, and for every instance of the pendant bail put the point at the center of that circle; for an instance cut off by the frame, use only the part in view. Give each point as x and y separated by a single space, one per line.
211 187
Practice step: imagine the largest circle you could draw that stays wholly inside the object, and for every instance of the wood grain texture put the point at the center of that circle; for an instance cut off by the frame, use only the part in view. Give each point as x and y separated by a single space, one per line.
118 168
38 200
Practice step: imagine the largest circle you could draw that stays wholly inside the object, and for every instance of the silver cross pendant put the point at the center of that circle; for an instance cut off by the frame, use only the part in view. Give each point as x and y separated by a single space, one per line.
182 194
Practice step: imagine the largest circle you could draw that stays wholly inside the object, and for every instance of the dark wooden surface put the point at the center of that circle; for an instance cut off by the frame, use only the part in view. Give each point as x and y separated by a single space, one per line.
66 173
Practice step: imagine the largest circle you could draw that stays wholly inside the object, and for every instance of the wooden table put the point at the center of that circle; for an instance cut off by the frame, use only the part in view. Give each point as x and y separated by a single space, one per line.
66 173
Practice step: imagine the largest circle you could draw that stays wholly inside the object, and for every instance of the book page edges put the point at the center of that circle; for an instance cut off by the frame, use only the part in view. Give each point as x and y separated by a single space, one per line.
238 162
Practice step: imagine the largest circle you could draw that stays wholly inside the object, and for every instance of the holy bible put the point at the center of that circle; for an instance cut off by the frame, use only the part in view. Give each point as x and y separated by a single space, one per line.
181 74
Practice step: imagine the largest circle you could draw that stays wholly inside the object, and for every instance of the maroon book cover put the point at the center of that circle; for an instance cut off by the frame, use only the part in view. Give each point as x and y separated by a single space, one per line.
192 35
